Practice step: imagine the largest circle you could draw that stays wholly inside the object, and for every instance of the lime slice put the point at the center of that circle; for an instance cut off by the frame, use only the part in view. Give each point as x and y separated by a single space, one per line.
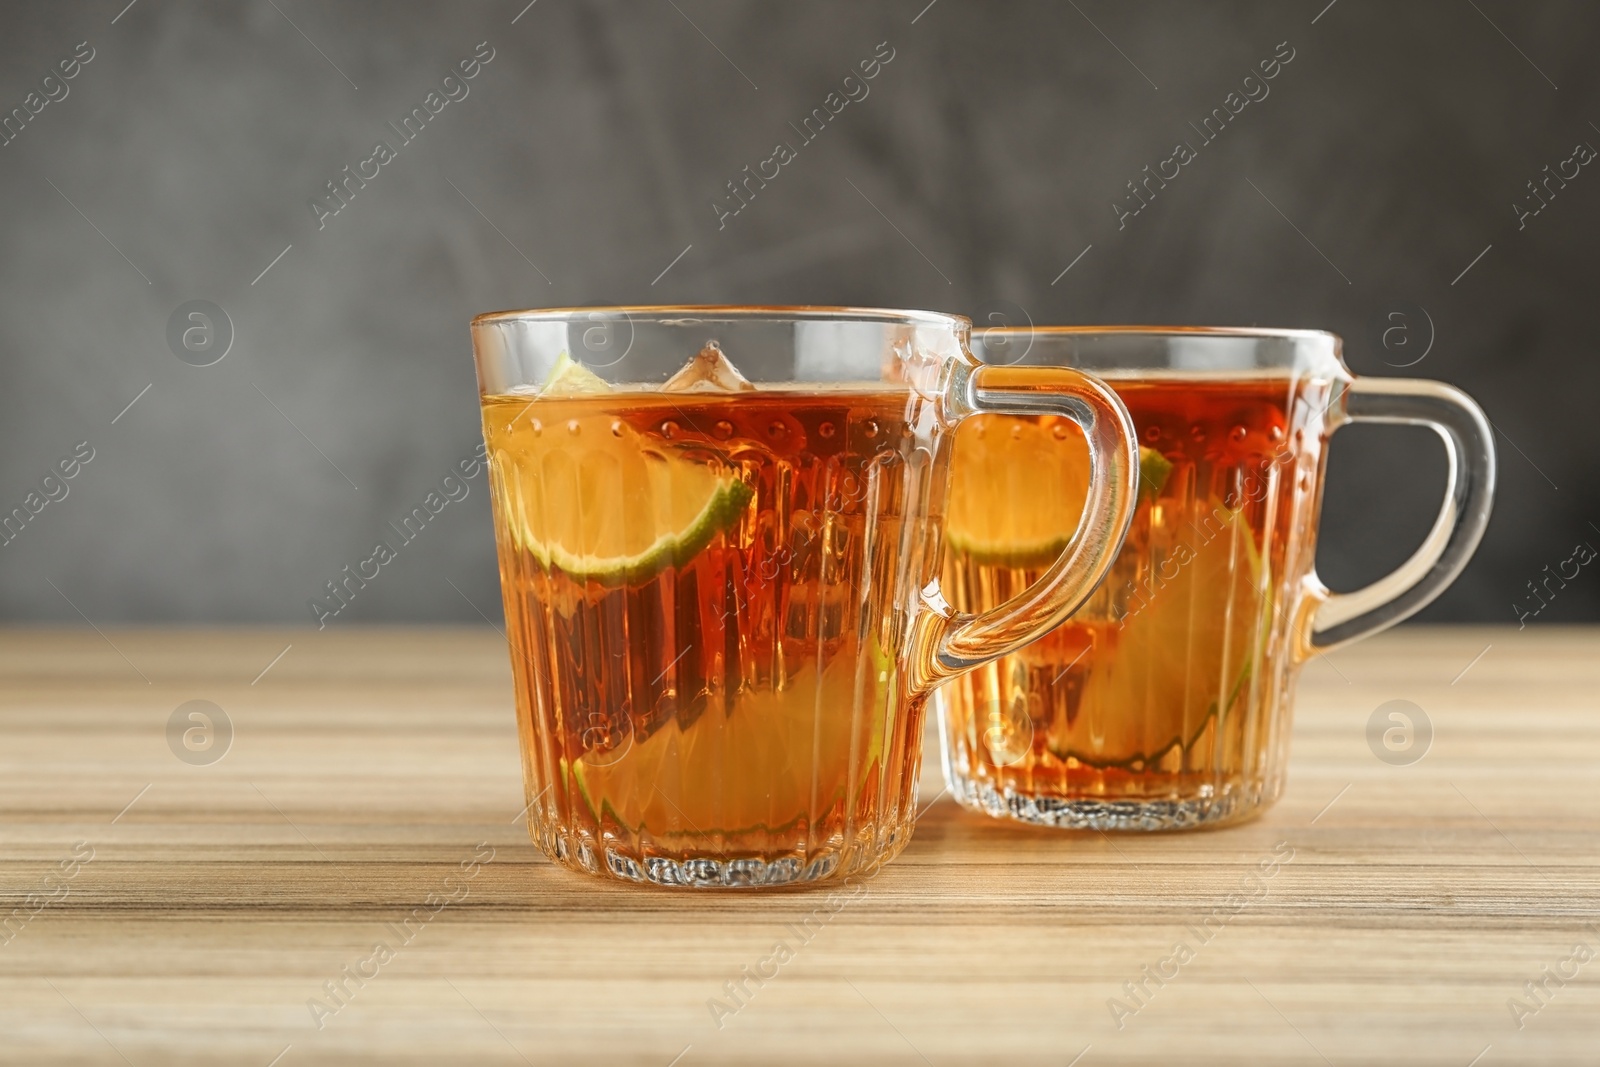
568 377
776 757
1153 471
602 538
1019 488
589 495
1182 656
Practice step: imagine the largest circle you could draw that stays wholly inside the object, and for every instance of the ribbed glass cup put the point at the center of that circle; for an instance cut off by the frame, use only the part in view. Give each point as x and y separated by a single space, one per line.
1165 702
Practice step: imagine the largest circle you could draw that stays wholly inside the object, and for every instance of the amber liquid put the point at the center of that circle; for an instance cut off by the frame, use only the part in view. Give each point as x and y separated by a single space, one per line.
1156 705
737 717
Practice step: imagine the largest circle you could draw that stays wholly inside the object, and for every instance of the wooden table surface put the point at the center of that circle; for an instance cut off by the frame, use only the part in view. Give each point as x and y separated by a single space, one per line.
194 913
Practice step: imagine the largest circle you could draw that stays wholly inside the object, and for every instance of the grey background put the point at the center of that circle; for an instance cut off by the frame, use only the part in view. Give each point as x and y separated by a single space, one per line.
984 160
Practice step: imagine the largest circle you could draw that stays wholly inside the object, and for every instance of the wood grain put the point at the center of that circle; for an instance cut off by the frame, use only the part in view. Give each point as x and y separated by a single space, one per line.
367 765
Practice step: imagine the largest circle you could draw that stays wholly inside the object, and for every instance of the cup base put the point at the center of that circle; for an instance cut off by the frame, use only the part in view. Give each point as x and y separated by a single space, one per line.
692 870
1233 805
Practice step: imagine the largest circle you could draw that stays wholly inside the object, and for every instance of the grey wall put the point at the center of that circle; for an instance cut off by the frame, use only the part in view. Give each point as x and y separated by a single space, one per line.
985 160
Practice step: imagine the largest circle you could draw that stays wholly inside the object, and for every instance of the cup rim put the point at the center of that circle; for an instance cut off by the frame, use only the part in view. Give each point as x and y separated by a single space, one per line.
1287 333
845 312
1325 348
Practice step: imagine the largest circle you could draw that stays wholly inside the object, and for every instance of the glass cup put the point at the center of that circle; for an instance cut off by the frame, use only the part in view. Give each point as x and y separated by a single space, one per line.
718 531
1165 702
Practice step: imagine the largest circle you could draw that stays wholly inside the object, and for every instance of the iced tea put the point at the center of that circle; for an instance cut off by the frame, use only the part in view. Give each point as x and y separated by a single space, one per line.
1153 706
699 594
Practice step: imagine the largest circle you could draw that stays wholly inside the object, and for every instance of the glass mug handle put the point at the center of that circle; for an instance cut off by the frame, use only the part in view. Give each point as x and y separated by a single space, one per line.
1339 618
947 642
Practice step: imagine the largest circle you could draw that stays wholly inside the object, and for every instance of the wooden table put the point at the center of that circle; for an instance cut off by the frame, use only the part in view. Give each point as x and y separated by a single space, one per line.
188 912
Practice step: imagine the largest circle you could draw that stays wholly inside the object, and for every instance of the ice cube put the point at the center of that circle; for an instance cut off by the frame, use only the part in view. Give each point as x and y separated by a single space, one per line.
709 371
